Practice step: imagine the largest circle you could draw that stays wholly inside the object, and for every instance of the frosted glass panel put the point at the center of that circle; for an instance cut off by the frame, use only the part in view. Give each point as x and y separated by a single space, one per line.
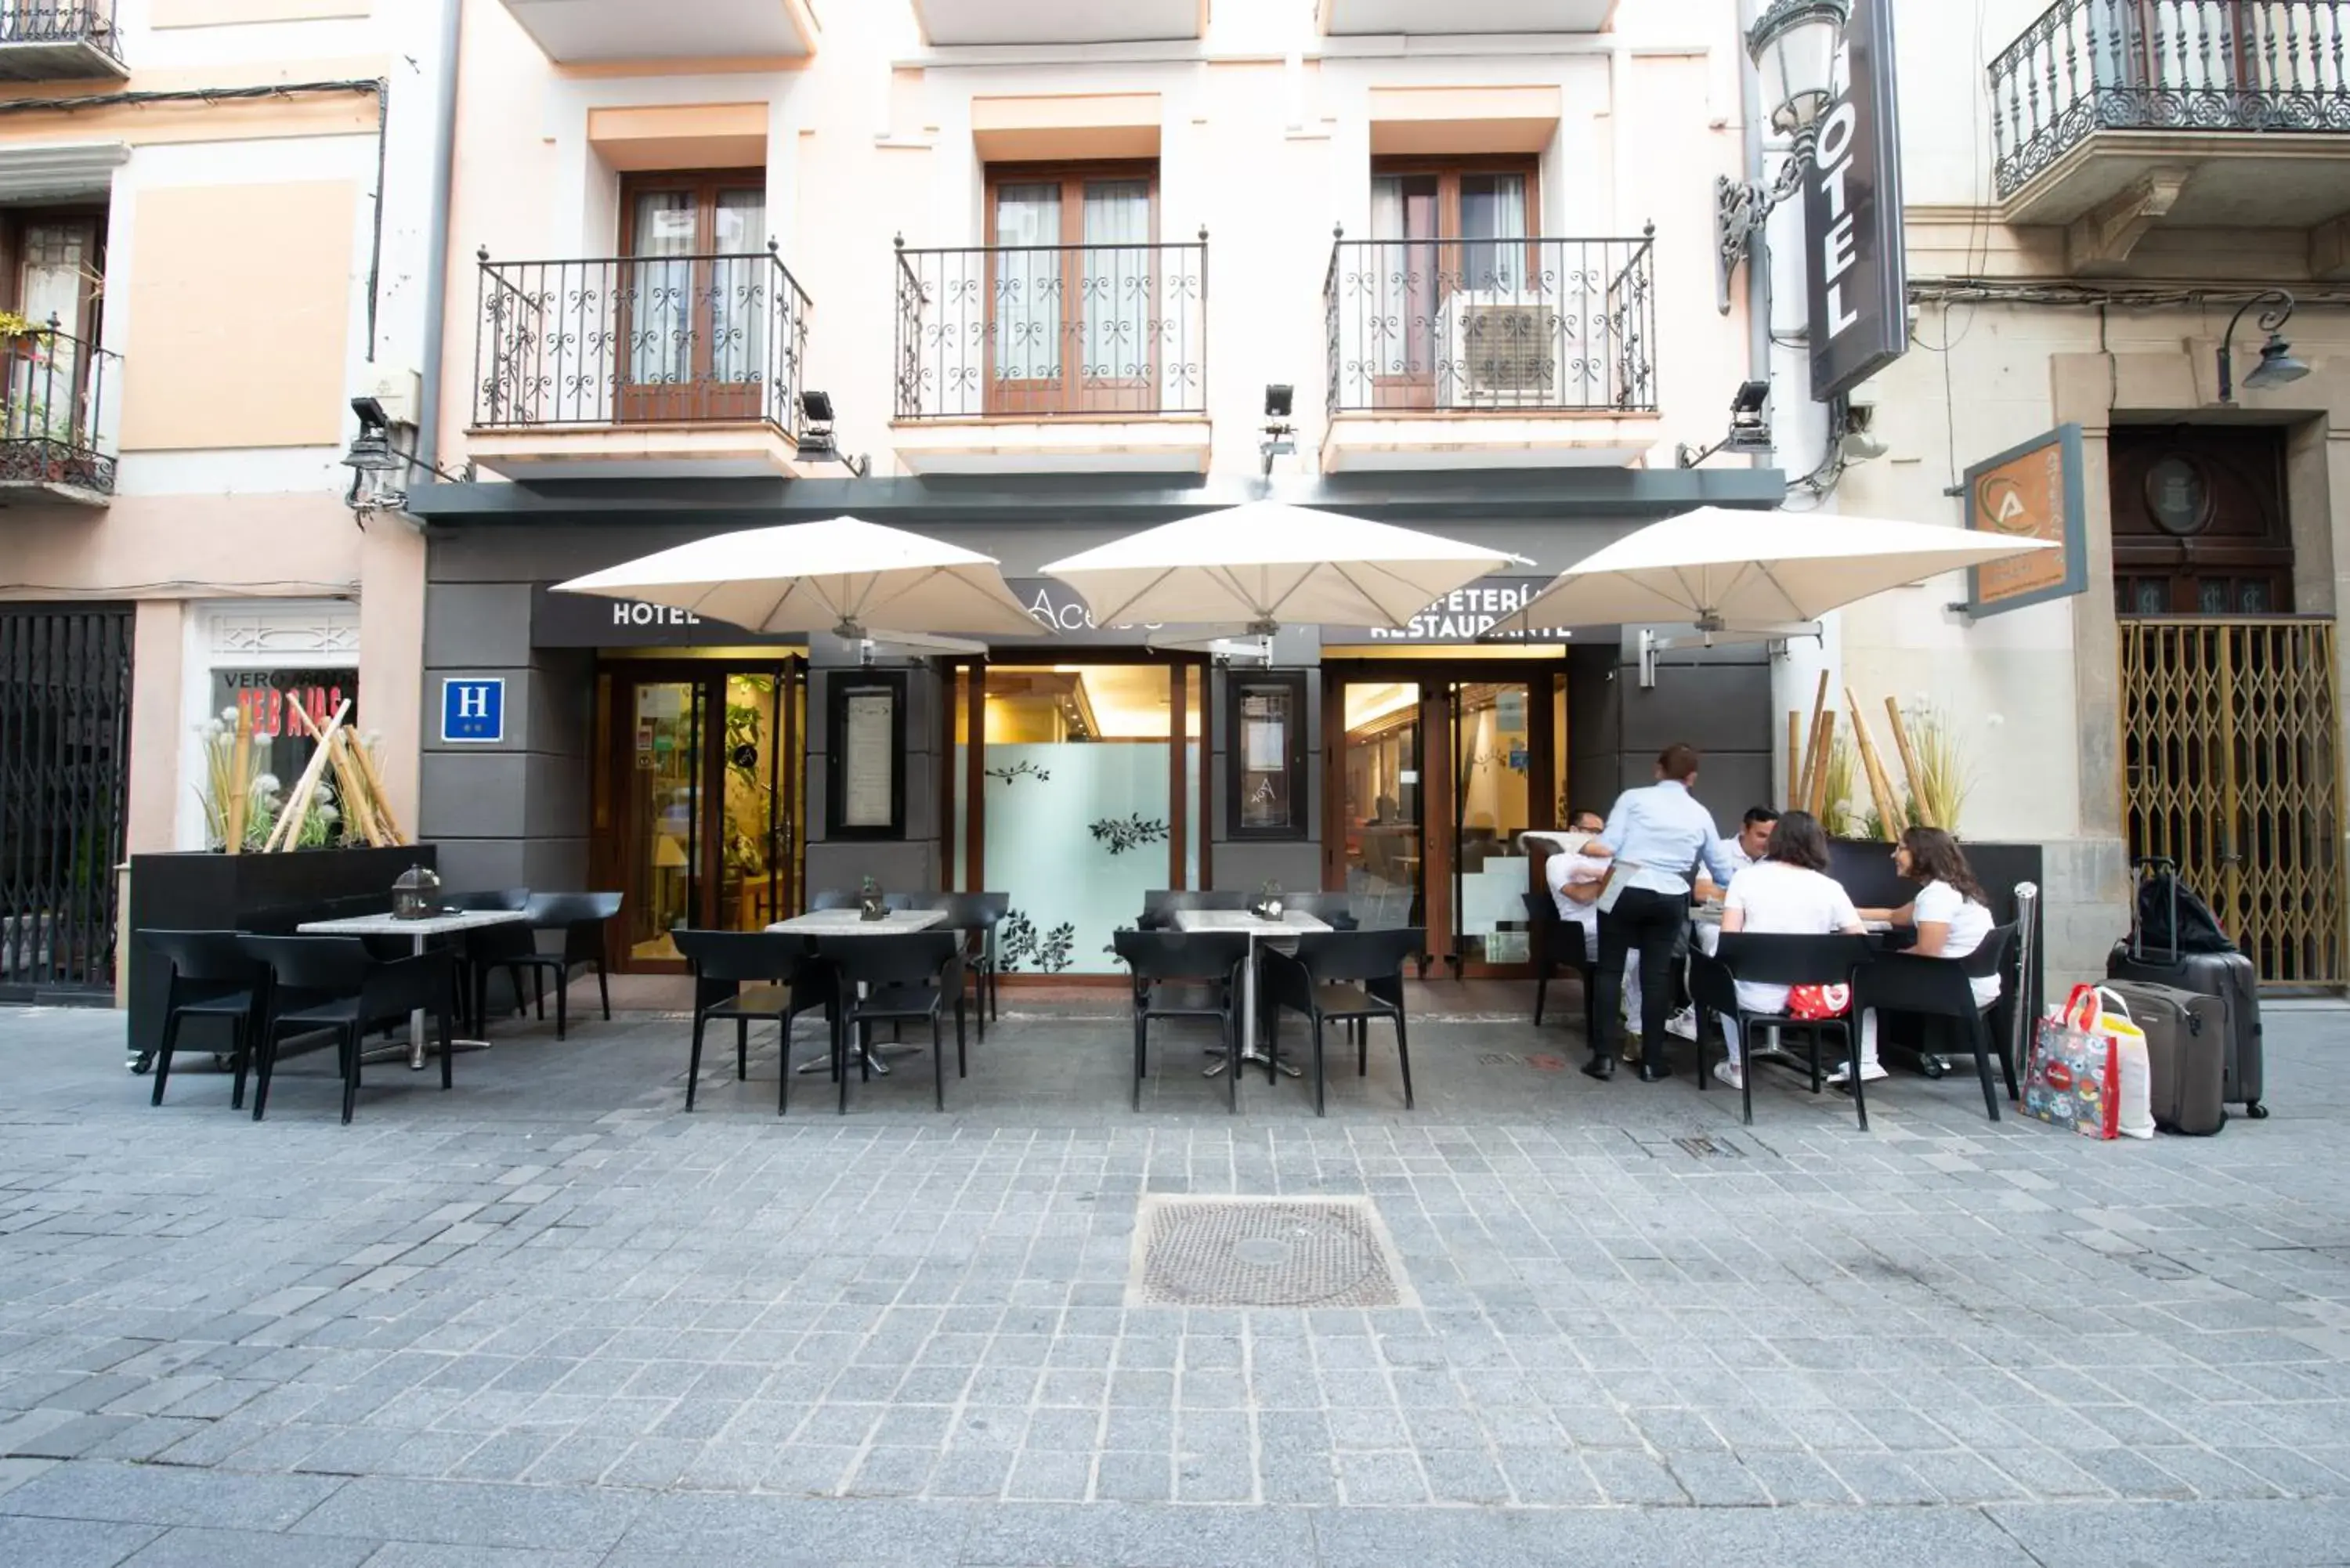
1077 832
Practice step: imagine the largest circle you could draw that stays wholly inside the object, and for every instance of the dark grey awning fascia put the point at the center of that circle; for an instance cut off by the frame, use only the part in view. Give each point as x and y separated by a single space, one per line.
1419 498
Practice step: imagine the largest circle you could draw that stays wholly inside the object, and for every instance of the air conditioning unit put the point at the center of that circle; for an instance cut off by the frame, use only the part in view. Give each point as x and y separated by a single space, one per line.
1501 354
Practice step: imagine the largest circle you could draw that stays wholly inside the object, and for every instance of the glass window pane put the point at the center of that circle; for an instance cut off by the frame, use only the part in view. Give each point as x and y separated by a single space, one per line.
1381 770
1026 288
1115 284
1075 774
1492 206
659 292
741 288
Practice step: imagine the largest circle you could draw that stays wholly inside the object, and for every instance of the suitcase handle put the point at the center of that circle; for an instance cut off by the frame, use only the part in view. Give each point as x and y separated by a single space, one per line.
2158 864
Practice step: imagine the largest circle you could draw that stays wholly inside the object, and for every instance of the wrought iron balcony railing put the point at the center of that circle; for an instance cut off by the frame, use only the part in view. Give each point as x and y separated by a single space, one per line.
52 406
1037 332
87 22
1520 325
2087 65
619 340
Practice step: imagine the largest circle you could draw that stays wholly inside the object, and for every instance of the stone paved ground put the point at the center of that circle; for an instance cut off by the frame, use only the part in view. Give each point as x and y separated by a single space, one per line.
549 1319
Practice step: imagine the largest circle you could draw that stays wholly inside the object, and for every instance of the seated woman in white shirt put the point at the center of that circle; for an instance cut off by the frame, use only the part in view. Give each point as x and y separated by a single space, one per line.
1786 893
1951 913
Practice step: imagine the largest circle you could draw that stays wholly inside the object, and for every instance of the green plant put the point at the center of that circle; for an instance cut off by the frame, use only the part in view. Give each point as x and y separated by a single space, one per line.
1944 779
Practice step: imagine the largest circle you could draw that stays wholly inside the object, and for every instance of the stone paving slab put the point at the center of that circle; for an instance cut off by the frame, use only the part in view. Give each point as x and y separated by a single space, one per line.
549 1319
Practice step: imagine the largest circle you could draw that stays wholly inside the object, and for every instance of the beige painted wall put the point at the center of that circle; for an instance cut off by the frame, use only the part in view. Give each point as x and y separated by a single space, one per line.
157 652
1266 157
167 13
212 371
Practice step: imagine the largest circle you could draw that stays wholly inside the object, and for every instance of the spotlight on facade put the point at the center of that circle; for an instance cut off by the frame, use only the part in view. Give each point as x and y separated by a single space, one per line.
816 443
371 448
2277 368
1749 426
1280 435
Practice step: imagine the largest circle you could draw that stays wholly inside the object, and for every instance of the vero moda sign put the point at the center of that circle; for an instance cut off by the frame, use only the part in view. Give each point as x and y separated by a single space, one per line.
1852 217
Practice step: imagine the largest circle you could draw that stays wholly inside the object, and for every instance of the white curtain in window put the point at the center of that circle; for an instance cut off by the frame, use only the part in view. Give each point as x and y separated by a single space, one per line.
660 314
1024 293
1493 207
742 284
1117 290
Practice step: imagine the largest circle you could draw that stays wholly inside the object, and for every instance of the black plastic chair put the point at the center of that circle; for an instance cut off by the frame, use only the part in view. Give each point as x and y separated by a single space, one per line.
1941 988
785 978
1211 959
1553 943
1330 908
581 918
487 950
1350 977
333 983
210 976
1160 904
849 899
1763 958
976 915
891 979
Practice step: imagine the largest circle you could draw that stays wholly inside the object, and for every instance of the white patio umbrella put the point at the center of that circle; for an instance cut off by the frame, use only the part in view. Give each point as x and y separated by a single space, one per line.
1250 569
1723 571
856 579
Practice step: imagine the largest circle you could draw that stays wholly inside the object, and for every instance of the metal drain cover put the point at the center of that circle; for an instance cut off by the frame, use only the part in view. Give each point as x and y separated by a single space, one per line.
1263 1252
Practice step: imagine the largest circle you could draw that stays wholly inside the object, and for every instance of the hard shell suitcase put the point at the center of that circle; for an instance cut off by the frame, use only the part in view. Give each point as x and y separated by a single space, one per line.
2186 1048
2229 976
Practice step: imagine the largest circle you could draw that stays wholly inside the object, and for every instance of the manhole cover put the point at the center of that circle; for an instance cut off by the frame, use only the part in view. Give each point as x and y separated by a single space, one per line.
1263 1252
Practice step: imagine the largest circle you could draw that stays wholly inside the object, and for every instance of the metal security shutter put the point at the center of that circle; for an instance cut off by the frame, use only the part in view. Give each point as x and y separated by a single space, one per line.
64 766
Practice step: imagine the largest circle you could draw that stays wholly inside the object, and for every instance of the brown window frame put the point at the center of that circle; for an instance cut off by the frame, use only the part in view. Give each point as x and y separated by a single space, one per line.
1417 387
703 397
1071 393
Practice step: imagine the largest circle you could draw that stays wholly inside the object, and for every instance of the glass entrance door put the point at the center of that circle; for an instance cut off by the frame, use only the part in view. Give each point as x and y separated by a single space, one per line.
1493 761
707 777
1375 850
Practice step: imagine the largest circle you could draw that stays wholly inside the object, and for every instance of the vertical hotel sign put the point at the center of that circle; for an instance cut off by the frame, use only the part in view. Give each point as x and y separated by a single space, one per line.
2030 492
1859 271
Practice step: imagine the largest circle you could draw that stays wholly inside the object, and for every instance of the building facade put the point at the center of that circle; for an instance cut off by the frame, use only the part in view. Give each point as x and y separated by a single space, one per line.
212 238
2090 206
1054 271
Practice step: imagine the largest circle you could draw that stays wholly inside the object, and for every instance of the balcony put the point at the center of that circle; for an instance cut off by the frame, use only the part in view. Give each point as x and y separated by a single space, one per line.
57 436
600 32
639 368
1509 353
2109 116
1342 18
1043 359
952 22
59 40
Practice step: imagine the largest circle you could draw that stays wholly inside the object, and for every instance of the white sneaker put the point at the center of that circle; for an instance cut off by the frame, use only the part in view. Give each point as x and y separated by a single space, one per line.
1870 1075
1683 1023
1729 1073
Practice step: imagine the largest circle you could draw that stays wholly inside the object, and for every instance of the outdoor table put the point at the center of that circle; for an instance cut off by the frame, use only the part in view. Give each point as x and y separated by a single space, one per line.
417 932
1291 923
853 924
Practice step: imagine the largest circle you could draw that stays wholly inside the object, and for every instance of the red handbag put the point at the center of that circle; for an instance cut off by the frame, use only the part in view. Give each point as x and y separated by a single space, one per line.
1813 1002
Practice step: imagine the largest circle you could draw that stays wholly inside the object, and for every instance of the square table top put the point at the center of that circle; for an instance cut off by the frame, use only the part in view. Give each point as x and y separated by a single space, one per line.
1290 922
431 926
852 923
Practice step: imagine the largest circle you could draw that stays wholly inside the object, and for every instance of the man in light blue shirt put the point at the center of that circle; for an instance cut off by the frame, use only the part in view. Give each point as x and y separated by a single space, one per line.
1659 835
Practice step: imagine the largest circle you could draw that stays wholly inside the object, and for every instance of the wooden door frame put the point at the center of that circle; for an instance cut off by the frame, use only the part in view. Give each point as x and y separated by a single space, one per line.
1446 248
643 402
1067 395
614 859
1438 680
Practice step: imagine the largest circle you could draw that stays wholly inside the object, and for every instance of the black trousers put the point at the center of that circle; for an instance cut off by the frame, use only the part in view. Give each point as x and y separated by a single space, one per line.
1649 923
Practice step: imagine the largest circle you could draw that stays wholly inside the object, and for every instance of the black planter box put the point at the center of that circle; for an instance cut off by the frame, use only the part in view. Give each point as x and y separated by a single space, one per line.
1865 867
268 893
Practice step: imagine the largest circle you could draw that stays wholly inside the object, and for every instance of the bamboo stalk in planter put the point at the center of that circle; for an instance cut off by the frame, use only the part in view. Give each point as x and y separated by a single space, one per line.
1881 788
377 800
1909 763
1796 758
288 826
1817 802
239 804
